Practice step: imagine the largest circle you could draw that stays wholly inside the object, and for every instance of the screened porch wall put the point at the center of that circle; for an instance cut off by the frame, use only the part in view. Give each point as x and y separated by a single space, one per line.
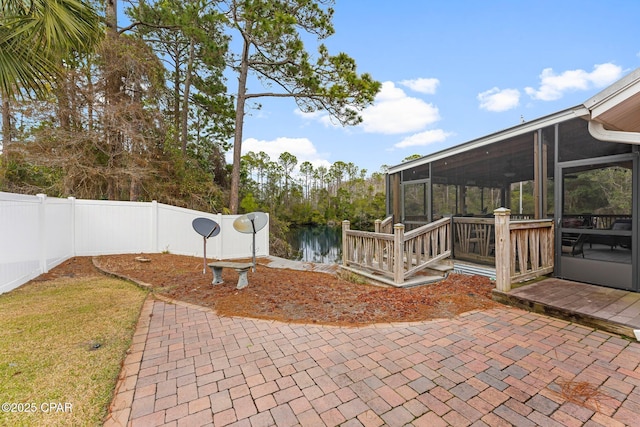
517 173
521 173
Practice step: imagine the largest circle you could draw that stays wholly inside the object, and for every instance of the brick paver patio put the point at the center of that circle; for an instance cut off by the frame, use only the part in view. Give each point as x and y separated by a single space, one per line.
189 367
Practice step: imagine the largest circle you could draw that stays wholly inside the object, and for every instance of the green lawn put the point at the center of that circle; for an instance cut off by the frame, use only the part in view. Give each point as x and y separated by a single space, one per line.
61 346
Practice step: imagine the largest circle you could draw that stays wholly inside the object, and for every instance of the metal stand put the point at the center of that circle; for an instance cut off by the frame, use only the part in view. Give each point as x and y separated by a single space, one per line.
252 218
206 228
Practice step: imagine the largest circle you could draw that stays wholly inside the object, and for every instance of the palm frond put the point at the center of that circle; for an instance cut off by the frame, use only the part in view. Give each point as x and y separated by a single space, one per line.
36 34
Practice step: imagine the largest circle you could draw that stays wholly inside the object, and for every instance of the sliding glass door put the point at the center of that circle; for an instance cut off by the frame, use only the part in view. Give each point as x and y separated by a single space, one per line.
596 217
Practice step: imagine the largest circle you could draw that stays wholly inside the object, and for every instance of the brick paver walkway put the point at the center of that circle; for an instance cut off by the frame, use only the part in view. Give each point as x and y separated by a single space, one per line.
190 367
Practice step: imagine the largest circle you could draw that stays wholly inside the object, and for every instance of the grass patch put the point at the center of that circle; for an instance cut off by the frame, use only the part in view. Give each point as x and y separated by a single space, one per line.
62 343
352 277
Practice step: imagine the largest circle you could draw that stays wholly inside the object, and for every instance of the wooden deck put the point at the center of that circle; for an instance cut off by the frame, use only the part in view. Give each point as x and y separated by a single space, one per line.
612 310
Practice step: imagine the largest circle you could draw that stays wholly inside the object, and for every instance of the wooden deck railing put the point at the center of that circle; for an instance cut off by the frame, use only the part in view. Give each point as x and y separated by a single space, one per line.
473 239
424 245
367 250
398 255
384 225
521 250
524 249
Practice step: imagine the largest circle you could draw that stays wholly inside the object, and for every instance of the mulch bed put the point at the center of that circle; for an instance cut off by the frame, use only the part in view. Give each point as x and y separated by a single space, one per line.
289 295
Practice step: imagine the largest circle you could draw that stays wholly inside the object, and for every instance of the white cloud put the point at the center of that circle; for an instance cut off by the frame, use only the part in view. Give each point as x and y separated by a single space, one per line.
498 100
394 112
554 86
422 85
605 74
424 138
302 148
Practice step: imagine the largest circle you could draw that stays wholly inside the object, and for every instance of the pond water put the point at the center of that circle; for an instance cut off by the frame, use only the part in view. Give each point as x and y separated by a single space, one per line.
320 244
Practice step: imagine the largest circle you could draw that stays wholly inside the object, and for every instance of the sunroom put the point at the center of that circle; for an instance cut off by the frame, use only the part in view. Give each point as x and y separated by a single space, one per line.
578 167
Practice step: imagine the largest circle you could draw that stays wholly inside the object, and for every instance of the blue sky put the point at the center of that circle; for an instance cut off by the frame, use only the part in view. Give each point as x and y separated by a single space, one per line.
453 71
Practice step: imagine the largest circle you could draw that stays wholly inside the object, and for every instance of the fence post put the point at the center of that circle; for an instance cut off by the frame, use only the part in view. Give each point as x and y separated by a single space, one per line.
72 219
219 249
346 224
452 237
398 253
503 249
154 227
42 233
377 225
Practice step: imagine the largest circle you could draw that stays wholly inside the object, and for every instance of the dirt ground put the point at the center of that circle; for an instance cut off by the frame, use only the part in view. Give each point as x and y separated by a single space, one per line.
289 295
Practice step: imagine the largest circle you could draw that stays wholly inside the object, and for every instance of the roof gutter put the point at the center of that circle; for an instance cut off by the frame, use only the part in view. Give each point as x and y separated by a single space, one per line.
621 91
534 125
597 130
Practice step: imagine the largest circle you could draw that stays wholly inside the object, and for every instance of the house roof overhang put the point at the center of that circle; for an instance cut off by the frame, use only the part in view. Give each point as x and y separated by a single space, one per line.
617 107
613 114
524 128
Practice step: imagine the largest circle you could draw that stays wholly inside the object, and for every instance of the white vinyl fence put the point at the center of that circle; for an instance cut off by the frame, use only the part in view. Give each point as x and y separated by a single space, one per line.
39 232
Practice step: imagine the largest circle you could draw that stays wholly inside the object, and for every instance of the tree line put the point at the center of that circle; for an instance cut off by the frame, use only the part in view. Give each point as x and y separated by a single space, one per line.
303 194
94 109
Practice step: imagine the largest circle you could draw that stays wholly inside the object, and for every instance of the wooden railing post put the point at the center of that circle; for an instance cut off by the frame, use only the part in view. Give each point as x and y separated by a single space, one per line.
398 253
346 225
503 249
377 225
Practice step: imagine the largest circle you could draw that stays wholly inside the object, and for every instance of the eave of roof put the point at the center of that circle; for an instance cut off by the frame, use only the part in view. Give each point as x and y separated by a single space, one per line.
530 126
617 108
615 94
624 94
